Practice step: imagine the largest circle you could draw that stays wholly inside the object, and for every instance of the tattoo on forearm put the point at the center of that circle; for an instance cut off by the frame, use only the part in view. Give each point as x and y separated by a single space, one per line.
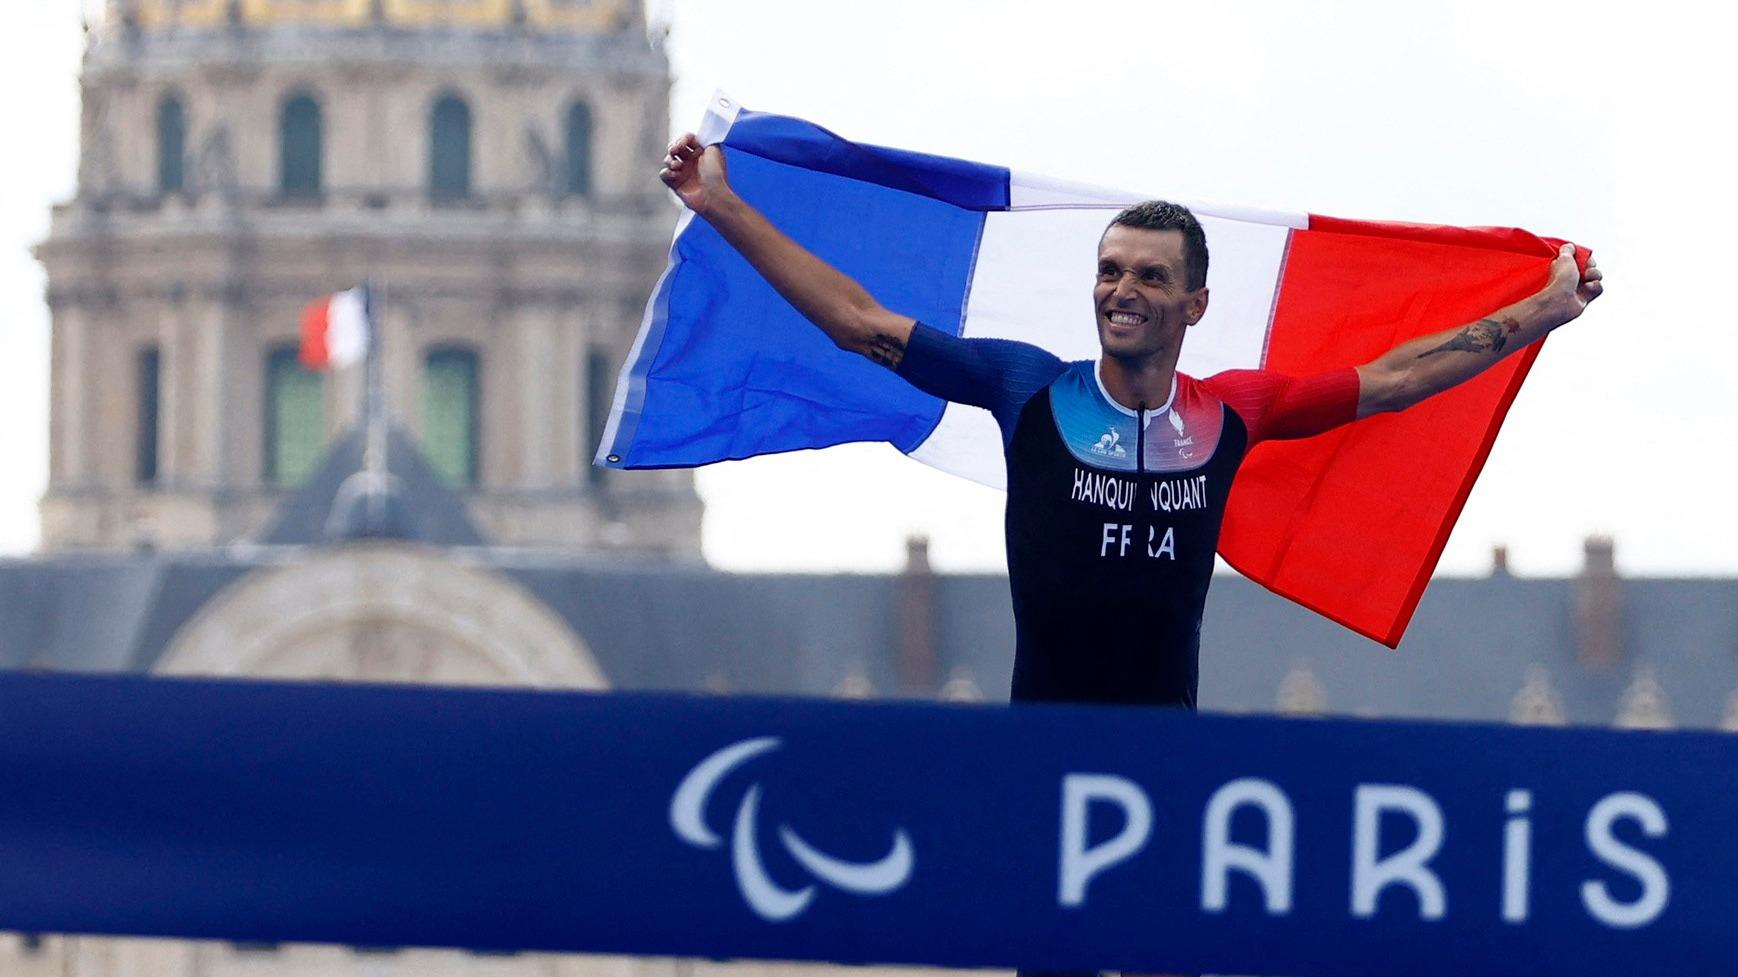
886 350
1485 334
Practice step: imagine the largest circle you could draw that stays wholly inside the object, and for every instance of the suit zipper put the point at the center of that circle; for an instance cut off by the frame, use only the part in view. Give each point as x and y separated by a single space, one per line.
1140 441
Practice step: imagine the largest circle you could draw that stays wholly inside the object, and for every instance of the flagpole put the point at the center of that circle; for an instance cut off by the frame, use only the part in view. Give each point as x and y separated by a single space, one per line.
362 507
374 460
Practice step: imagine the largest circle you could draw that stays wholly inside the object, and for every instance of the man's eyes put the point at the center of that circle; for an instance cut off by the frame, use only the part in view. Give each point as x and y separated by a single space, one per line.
1150 276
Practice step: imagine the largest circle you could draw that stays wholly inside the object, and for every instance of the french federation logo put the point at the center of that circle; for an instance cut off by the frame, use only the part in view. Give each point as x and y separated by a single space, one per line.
770 900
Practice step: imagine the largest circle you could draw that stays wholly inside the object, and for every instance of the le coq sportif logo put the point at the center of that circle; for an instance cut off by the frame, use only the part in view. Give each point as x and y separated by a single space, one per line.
772 901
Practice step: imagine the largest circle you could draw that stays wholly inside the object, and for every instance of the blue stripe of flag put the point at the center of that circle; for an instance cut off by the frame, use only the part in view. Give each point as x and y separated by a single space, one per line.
728 369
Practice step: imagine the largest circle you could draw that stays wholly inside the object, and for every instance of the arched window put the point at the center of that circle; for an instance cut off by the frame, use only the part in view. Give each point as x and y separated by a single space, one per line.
299 146
295 418
171 146
449 149
579 149
149 389
450 422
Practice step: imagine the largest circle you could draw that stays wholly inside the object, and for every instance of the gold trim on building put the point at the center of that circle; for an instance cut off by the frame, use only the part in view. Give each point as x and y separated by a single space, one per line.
434 13
182 13
550 15
568 15
340 12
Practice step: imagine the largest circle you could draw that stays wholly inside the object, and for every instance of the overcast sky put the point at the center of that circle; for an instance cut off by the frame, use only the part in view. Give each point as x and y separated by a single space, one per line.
1608 125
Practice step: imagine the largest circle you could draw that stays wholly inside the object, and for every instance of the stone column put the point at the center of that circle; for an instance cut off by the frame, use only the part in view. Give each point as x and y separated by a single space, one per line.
176 342
207 390
537 370
567 431
68 409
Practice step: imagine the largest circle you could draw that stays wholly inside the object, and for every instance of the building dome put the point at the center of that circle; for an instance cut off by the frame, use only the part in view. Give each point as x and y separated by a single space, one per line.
555 16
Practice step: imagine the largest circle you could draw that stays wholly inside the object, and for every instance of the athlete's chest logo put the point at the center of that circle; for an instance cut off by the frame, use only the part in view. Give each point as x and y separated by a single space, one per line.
1109 445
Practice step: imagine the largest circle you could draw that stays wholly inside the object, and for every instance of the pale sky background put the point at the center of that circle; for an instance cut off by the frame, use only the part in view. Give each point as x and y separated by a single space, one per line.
1606 124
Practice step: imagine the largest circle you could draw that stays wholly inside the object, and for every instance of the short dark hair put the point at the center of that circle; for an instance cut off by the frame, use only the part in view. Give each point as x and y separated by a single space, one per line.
1162 215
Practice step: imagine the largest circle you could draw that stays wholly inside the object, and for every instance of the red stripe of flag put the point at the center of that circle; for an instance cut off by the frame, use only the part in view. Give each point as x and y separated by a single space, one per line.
316 319
1351 524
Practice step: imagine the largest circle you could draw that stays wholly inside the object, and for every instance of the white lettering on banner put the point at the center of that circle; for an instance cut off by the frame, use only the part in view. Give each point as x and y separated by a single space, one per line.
1655 886
1220 856
1080 863
1270 864
1408 866
1272 867
1517 855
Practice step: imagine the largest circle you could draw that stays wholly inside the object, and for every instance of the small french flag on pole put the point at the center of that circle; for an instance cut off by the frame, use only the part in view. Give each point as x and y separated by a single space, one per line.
336 330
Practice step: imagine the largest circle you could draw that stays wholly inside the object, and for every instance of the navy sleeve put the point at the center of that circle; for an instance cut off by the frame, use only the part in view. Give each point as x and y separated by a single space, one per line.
999 375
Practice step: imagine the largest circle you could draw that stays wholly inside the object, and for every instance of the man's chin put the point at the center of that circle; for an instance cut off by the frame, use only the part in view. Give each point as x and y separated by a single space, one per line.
1134 355
1122 348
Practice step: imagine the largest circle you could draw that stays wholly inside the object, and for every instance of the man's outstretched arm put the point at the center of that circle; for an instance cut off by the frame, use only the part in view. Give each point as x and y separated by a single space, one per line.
843 309
1414 370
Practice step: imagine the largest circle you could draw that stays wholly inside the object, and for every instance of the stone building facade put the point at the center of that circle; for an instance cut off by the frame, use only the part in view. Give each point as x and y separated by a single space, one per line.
481 162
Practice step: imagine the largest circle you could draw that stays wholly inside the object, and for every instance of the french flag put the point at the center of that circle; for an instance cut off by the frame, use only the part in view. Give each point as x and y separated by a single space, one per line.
1349 524
336 330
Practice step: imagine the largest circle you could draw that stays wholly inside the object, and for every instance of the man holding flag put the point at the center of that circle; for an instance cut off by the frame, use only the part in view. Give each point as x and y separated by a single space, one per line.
1119 469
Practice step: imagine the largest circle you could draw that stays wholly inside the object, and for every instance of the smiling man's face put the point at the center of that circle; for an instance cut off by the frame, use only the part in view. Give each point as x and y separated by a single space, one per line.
1142 296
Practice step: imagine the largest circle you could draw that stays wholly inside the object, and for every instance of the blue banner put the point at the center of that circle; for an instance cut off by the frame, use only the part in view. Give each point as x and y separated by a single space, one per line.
1044 837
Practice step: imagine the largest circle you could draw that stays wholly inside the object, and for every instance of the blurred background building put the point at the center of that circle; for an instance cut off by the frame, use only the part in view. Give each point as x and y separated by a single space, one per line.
484 163
481 161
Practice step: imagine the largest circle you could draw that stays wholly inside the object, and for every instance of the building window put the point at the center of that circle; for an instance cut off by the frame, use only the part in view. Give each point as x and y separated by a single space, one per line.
150 372
599 390
299 145
171 146
449 150
450 423
579 149
295 418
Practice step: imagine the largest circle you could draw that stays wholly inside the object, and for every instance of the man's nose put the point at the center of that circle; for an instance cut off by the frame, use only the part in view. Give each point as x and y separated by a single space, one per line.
1125 286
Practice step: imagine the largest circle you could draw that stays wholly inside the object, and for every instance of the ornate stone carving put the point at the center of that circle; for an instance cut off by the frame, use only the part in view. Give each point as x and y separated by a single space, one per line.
855 685
1644 704
1301 693
1537 703
960 687
540 162
214 165
382 612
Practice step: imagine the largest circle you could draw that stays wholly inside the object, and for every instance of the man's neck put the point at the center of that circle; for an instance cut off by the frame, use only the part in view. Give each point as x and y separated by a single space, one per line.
1137 384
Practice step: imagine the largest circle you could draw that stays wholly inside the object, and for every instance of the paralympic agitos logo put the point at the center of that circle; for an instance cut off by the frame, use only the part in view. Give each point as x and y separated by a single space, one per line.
771 901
